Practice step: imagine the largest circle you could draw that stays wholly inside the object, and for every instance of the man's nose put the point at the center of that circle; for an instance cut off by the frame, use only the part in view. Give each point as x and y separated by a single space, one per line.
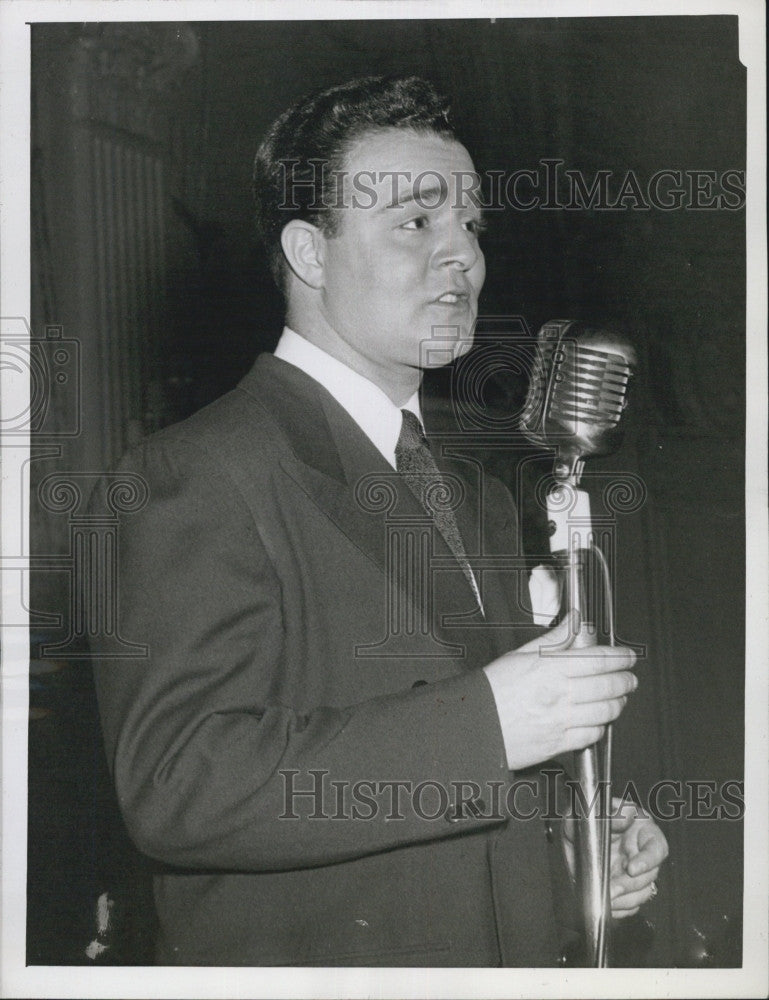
457 248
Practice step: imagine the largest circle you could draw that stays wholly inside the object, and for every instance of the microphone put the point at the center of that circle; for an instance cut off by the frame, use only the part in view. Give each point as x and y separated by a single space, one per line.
577 393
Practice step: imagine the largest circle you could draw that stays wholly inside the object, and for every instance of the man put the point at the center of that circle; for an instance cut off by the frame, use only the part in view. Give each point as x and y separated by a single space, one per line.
329 679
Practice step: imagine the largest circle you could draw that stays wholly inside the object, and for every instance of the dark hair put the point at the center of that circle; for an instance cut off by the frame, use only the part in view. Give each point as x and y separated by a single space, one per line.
295 163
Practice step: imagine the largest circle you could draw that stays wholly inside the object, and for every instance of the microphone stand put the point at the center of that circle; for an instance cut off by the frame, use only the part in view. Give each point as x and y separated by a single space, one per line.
577 394
593 838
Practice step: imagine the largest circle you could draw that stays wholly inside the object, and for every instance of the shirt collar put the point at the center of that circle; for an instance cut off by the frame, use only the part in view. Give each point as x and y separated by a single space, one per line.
371 409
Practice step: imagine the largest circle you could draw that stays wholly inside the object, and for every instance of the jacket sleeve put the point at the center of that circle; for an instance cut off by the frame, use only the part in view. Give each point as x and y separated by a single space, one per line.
211 770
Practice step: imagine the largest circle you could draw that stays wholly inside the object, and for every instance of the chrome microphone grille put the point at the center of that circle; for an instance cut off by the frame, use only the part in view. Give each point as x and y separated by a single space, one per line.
578 389
588 385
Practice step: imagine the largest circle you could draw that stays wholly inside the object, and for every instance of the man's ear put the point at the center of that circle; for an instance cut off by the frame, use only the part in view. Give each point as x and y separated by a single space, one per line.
303 248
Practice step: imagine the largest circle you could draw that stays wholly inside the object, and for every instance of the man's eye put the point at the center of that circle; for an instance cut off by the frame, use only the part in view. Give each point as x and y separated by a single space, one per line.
418 222
476 226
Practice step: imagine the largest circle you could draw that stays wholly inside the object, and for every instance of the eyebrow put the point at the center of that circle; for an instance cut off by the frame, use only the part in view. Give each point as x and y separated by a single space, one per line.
425 195
421 196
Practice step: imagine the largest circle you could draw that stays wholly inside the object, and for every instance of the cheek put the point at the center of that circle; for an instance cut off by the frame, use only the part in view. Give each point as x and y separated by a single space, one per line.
478 273
393 290
351 263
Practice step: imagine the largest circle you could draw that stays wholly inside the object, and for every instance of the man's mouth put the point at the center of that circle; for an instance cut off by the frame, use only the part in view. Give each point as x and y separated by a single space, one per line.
453 298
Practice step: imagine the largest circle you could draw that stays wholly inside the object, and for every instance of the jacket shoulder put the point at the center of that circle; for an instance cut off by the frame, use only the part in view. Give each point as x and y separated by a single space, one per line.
241 421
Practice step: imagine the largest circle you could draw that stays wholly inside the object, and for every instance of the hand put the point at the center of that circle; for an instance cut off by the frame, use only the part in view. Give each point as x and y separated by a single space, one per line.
551 701
638 848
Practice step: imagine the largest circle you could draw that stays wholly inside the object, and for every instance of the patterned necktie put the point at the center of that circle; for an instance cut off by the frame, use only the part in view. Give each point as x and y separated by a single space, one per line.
415 462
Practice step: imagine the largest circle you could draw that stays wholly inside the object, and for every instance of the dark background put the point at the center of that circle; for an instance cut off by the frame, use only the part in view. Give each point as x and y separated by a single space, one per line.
144 253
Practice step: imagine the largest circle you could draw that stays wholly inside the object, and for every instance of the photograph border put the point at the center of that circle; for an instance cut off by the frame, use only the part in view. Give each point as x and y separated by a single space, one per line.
19 980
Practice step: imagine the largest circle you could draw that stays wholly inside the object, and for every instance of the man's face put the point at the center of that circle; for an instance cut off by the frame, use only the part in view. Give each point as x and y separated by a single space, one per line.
402 274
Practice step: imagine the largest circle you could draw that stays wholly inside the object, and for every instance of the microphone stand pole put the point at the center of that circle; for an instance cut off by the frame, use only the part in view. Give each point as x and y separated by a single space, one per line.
593 833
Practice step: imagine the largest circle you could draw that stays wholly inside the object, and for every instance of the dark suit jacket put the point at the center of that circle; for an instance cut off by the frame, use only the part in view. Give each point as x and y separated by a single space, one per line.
269 577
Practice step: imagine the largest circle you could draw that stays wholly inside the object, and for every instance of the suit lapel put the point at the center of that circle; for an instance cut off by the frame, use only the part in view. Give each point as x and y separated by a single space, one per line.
335 464
313 458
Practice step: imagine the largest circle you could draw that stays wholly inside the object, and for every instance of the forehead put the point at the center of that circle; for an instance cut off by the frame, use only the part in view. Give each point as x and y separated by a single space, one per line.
394 162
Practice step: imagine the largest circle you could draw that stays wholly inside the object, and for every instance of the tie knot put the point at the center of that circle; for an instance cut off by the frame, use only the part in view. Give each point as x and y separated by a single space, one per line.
412 435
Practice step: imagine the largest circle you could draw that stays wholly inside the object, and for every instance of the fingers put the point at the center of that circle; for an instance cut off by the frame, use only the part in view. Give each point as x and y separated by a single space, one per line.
556 642
603 687
595 713
593 660
589 721
646 861
638 849
637 840
584 659
653 850
628 894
